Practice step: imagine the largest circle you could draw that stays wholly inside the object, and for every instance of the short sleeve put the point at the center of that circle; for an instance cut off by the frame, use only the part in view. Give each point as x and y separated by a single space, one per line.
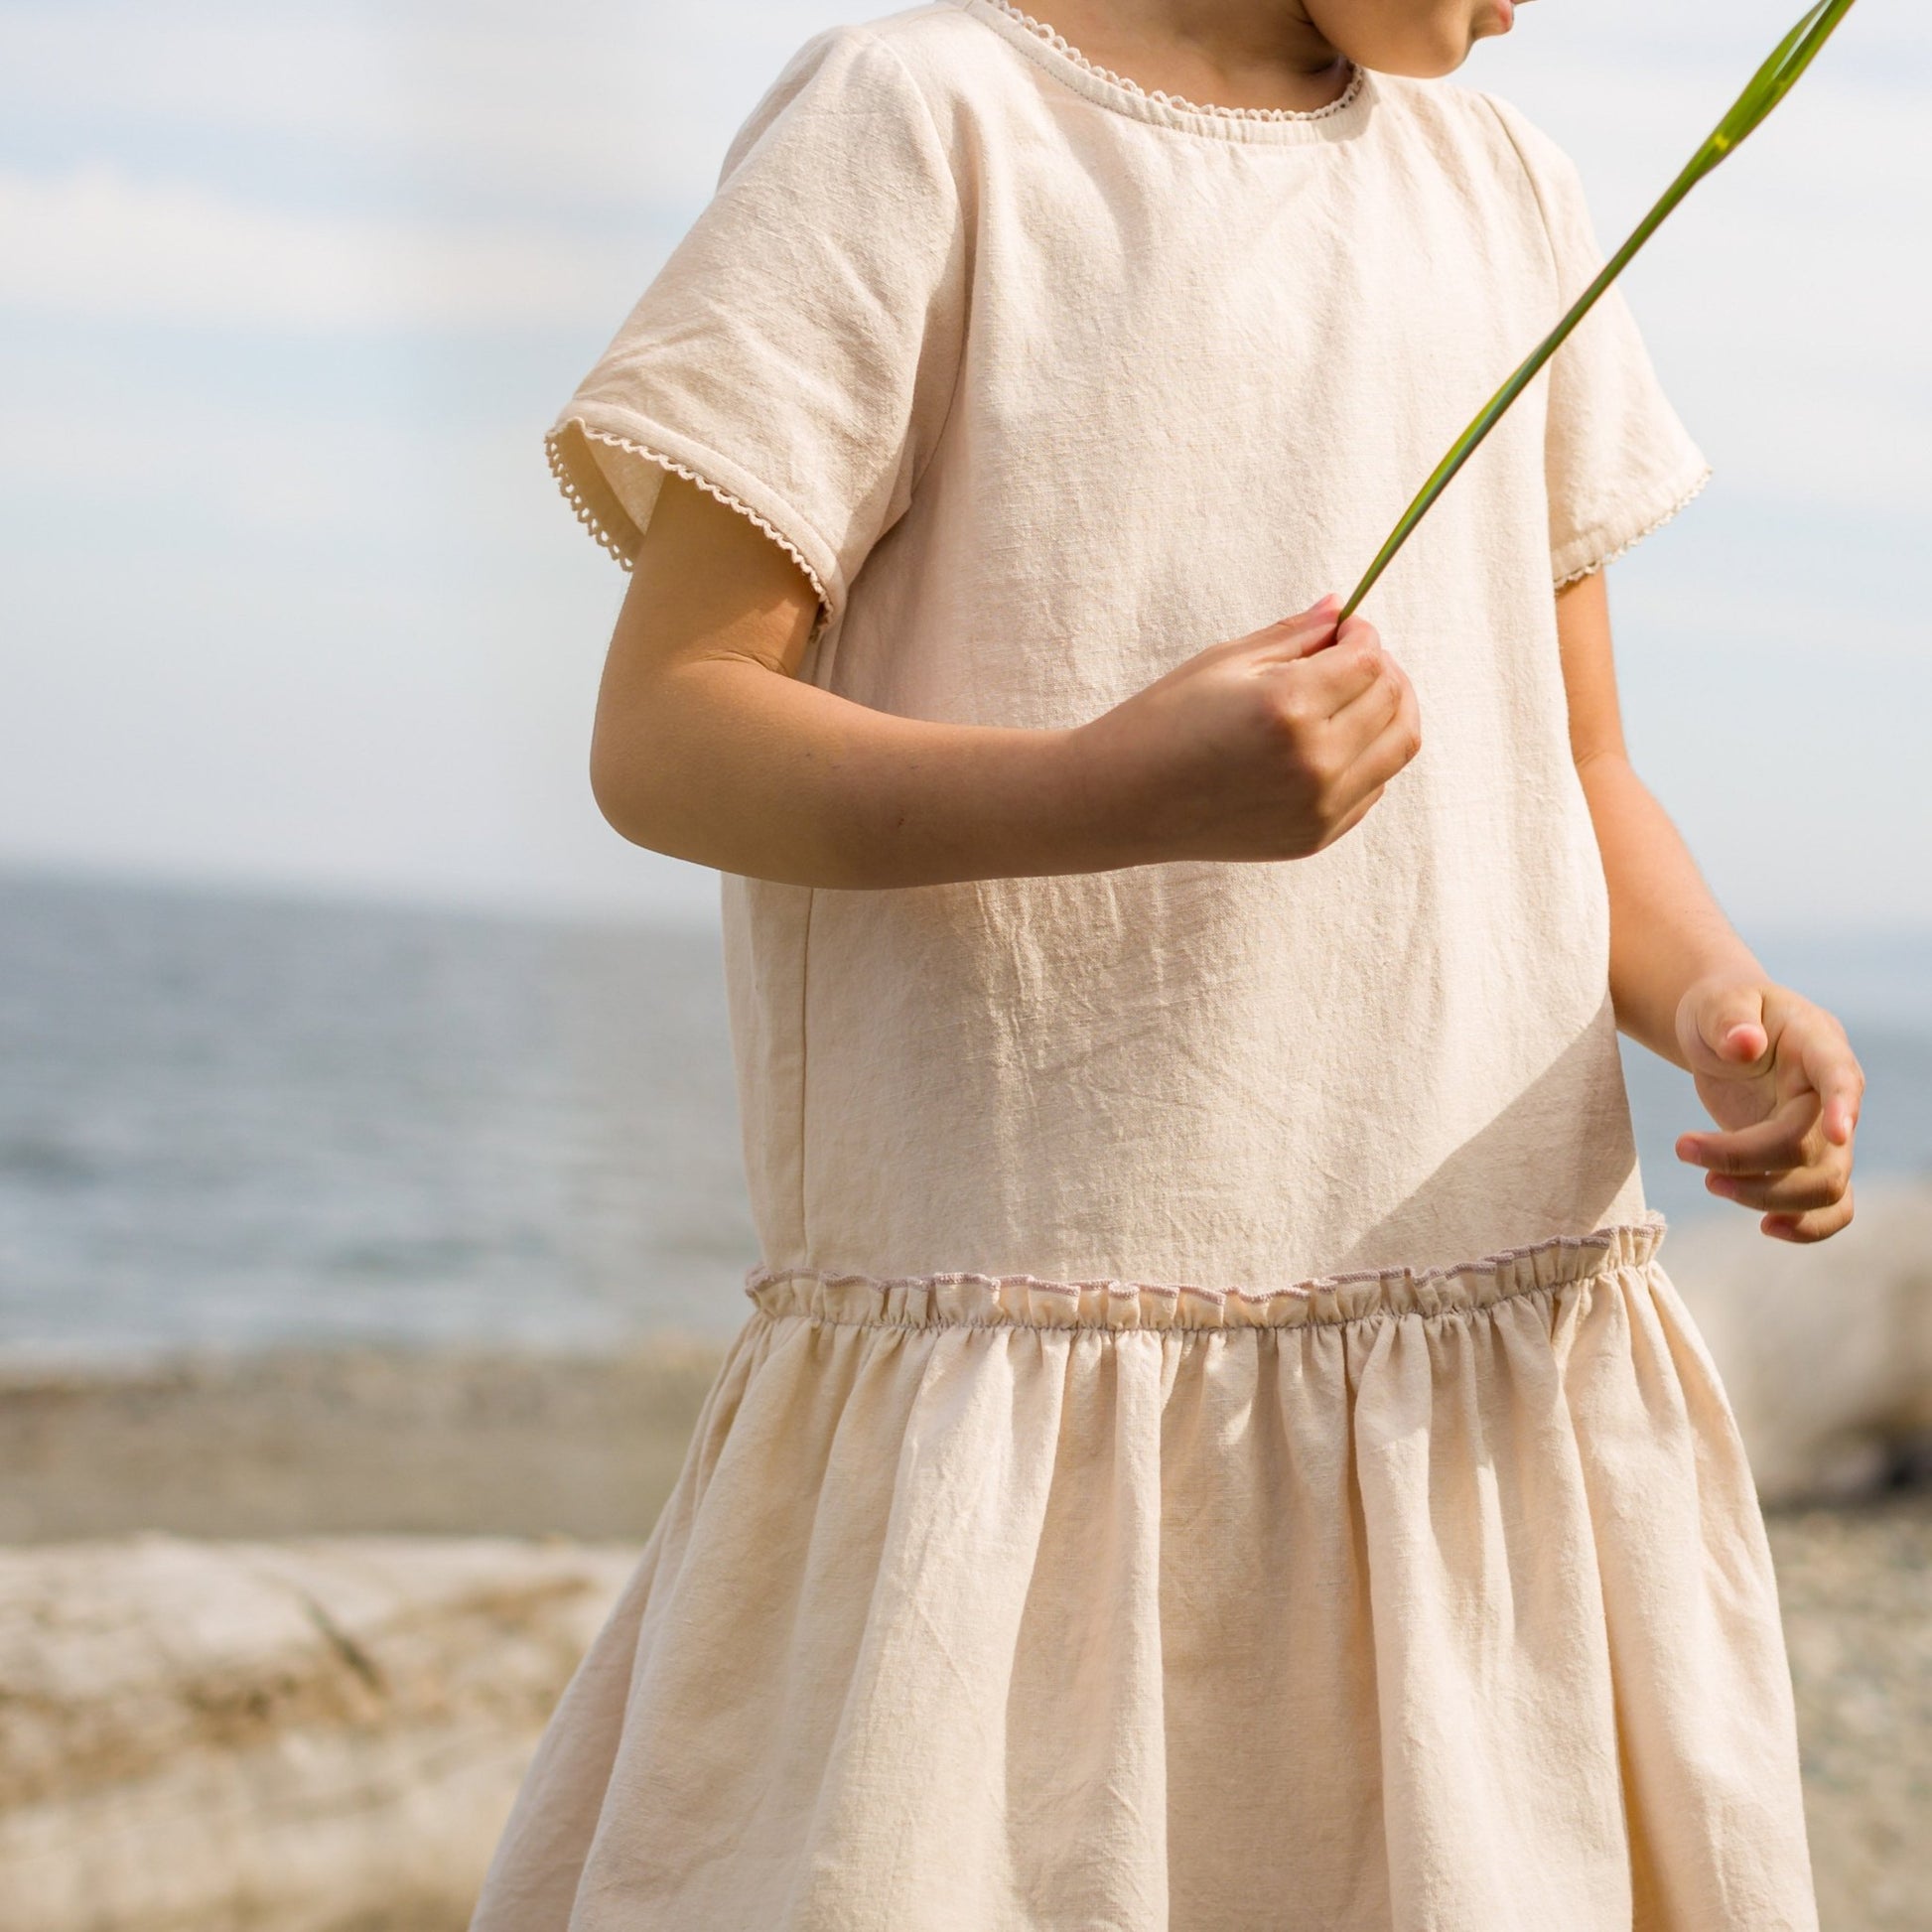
797 354
1617 460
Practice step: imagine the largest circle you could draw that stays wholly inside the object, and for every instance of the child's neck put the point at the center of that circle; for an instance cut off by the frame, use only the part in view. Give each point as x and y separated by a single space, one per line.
1225 53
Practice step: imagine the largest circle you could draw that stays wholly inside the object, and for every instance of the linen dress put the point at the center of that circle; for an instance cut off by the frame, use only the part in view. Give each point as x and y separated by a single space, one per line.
1213 1444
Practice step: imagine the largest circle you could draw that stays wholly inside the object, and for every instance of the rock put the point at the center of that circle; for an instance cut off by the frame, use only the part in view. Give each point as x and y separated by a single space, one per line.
1826 1349
310 1736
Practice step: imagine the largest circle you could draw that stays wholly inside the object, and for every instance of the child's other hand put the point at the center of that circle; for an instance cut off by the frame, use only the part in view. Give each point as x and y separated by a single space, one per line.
1267 746
1778 1073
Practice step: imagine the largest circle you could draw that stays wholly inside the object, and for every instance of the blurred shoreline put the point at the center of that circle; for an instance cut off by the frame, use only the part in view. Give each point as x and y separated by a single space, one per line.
349 1441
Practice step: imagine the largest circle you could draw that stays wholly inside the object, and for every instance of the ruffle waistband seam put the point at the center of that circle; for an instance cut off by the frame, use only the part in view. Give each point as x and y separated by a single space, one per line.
983 1300
1368 1318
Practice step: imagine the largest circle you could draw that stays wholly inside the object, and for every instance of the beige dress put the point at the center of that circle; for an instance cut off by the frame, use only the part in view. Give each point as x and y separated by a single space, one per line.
1213 1446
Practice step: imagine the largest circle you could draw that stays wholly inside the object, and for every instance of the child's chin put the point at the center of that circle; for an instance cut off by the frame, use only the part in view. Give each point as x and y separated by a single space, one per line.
1421 66
1428 60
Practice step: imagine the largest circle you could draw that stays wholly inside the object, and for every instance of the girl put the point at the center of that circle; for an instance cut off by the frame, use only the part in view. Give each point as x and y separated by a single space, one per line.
1214 1445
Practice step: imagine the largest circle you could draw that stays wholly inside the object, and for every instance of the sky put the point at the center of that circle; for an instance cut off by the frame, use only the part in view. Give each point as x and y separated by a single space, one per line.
289 292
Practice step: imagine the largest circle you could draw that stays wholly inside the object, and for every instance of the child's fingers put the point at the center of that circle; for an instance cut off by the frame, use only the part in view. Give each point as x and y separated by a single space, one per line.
1771 1145
1350 666
1306 632
1363 715
1820 1224
1389 748
1321 685
1803 1187
1834 1070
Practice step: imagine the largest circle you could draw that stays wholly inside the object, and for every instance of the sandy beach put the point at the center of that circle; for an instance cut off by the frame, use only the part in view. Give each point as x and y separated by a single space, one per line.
475 1484
355 1442
1856 1587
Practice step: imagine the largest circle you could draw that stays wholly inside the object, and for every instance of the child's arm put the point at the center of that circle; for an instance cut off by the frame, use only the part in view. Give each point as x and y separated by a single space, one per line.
707 744
1776 1071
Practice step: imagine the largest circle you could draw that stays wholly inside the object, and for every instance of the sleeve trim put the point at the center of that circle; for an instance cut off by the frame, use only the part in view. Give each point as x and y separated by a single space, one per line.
1589 545
612 526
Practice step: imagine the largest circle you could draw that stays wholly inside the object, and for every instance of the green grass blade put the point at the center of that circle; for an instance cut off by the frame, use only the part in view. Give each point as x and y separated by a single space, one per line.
1767 88
1751 107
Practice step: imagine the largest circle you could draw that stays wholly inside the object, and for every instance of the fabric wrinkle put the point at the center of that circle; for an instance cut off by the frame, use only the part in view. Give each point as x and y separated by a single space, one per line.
1120 1580
1212 1444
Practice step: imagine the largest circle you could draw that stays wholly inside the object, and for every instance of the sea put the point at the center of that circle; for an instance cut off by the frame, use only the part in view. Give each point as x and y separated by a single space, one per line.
233 1121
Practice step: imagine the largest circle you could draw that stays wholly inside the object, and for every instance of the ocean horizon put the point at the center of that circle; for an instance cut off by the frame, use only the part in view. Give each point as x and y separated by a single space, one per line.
231 1120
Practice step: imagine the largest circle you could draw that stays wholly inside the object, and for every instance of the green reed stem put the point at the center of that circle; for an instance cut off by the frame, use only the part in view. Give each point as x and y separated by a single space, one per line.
1769 86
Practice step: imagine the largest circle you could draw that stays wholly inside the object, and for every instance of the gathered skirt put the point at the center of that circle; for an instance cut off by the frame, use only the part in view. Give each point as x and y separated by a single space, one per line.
1404 1601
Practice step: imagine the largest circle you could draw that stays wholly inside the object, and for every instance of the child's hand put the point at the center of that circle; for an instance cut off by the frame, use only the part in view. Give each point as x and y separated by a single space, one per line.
1268 747
1780 1073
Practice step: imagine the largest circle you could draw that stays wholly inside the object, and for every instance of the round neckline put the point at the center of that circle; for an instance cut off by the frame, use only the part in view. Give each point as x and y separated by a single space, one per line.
1341 118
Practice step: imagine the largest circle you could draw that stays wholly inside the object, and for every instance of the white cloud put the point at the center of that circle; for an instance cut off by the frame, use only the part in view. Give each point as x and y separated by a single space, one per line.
599 102
99 244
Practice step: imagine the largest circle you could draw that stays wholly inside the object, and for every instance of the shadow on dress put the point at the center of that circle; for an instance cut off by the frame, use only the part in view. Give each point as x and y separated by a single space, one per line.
1562 1152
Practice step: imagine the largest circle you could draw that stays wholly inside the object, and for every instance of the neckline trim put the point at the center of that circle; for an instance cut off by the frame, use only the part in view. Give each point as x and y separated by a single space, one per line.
1051 49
